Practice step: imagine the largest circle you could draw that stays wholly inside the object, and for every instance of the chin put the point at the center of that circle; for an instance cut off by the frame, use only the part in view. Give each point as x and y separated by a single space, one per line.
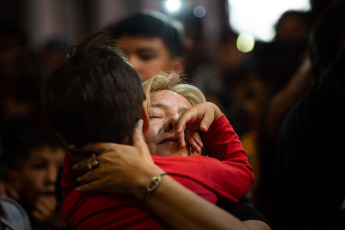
179 153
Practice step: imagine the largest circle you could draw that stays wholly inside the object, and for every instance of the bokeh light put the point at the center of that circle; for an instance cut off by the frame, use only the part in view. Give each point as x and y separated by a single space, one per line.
172 5
245 43
259 17
199 11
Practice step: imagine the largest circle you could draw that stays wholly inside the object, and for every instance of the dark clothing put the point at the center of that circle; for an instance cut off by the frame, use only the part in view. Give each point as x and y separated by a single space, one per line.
12 215
309 182
244 212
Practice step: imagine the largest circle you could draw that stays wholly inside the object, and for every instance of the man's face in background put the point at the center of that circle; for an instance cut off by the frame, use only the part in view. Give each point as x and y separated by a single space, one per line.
148 55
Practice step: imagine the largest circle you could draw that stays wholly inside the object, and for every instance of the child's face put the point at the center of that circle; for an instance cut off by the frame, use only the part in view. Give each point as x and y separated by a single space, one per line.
147 55
165 109
39 173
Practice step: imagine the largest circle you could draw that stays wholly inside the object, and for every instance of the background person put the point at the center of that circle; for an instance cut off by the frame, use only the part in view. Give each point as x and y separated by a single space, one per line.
152 41
33 159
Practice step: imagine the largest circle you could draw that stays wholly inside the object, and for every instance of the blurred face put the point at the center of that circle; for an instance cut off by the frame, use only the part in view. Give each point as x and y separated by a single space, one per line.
147 55
39 173
165 109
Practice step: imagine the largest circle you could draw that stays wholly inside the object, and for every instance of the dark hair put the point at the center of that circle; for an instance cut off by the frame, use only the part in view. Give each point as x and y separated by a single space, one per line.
304 21
152 24
94 95
327 38
19 144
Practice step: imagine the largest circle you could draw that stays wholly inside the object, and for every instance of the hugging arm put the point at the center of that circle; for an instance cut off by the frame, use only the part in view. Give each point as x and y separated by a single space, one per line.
221 142
129 169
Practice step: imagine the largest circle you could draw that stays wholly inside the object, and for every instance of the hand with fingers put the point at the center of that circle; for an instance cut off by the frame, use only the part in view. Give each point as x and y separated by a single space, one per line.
45 212
121 168
197 118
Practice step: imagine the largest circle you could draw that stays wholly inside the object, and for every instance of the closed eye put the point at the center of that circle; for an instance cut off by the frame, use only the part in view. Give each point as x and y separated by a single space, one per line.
152 117
146 57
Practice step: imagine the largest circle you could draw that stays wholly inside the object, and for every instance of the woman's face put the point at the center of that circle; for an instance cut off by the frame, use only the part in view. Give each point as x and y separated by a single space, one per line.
164 111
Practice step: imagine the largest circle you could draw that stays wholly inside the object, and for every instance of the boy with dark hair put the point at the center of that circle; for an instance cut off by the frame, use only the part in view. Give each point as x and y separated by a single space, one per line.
117 100
152 41
33 159
12 215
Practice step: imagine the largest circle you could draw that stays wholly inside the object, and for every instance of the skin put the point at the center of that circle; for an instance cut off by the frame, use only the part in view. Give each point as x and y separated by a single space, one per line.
164 112
35 182
129 169
148 55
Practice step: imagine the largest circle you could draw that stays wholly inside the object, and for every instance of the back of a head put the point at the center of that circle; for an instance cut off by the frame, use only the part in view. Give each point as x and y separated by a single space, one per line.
294 26
152 24
327 38
94 95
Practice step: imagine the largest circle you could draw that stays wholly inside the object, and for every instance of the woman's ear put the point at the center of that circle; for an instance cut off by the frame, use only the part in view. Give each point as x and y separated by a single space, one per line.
145 117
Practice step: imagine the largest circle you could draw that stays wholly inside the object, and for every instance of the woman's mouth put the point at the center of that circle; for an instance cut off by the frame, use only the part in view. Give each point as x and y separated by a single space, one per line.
168 139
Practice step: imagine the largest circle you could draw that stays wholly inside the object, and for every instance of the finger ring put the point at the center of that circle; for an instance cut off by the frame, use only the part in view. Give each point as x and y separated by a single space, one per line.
92 162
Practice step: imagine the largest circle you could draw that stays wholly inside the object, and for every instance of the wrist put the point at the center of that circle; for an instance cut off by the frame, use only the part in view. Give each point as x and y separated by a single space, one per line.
143 180
217 112
152 187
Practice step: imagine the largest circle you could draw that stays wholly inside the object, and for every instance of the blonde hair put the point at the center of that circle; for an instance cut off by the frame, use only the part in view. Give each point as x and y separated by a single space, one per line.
173 82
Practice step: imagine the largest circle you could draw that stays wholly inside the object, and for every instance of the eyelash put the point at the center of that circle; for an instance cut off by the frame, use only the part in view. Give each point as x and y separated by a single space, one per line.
146 57
155 117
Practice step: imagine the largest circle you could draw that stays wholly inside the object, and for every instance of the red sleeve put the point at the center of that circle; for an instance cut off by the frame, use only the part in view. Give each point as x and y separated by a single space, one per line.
69 176
222 143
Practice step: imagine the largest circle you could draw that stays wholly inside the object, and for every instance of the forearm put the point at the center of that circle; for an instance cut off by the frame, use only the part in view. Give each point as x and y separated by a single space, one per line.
179 207
282 101
223 143
183 209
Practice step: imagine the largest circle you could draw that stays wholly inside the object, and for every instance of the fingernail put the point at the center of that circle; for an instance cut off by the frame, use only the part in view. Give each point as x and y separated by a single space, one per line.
77 189
74 167
79 179
139 124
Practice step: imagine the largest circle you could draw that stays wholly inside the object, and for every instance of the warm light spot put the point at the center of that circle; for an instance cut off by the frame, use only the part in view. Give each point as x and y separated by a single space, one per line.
245 43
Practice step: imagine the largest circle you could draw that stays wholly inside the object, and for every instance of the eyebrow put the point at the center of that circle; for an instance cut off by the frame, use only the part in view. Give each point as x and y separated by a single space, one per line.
182 109
145 50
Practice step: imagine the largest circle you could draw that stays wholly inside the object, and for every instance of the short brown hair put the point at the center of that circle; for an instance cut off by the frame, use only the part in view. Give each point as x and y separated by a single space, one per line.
94 95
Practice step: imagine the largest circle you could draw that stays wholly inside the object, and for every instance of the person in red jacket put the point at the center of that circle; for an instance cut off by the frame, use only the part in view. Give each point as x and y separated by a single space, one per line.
106 78
206 176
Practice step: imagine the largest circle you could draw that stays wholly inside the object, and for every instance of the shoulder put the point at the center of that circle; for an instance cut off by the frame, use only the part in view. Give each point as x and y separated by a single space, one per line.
12 214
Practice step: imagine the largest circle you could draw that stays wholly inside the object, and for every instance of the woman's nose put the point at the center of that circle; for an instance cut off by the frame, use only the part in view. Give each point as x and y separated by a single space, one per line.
171 123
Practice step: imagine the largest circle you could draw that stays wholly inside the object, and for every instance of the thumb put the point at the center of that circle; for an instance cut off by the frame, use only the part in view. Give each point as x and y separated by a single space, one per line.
139 140
138 137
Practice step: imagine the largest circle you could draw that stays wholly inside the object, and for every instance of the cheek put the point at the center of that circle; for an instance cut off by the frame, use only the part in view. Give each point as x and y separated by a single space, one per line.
152 134
150 70
35 179
32 184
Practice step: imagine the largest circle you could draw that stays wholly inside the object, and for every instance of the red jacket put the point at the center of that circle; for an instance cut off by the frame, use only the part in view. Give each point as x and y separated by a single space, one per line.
225 175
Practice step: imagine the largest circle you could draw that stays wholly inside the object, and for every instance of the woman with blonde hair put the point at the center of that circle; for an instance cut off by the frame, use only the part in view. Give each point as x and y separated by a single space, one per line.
176 111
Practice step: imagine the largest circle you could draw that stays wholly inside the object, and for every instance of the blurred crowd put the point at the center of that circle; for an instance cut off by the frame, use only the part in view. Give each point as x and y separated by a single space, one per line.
264 93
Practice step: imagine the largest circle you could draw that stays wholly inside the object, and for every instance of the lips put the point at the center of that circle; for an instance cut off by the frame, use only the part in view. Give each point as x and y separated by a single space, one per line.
168 139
